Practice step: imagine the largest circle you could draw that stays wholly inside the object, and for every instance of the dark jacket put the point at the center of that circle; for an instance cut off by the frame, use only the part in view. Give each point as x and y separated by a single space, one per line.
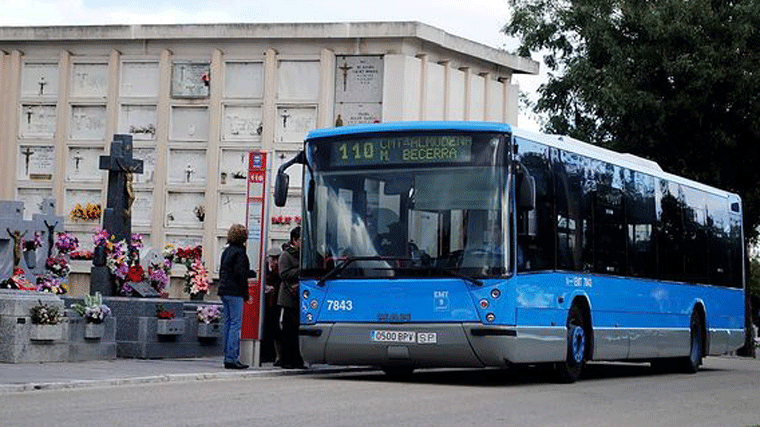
288 265
234 271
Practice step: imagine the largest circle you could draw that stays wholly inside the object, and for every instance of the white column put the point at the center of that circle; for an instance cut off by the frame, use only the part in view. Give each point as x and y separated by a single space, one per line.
326 107
62 131
212 159
162 137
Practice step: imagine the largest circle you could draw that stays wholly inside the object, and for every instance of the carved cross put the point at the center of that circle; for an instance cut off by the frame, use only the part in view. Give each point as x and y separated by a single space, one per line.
117 217
77 158
27 153
42 84
345 69
29 114
189 170
285 116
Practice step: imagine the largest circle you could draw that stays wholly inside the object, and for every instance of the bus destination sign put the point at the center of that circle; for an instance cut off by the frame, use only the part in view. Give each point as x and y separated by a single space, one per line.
401 150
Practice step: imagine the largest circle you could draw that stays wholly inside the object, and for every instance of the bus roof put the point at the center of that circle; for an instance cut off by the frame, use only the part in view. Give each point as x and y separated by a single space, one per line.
567 143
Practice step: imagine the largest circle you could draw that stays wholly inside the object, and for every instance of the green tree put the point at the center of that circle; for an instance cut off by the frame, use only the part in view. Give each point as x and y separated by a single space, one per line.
675 81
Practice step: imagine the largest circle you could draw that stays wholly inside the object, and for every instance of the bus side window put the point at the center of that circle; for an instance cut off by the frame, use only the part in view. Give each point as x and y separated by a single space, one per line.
535 228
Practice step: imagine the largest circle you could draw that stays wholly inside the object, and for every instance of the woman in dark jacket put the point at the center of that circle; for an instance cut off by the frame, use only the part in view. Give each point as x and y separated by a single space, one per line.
234 271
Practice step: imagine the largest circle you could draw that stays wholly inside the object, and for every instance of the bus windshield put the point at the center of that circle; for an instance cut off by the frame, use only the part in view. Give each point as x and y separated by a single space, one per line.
411 205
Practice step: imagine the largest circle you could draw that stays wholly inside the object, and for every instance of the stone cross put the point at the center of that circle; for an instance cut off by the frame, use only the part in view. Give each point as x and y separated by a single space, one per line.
42 84
117 216
52 222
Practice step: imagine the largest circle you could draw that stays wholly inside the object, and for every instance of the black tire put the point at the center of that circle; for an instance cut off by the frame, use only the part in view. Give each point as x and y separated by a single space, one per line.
398 372
693 361
577 347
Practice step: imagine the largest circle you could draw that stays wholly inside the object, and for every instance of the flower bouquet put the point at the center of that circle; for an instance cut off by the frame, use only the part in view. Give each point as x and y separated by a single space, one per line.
17 281
45 314
51 284
93 310
208 314
58 265
196 279
163 313
66 243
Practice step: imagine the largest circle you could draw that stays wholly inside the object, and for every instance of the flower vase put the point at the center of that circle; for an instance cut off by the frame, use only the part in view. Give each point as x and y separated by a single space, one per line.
99 256
209 330
197 296
46 332
93 330
30 257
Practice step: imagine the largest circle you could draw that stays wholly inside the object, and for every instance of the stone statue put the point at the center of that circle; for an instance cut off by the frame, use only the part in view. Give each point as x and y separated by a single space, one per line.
18 240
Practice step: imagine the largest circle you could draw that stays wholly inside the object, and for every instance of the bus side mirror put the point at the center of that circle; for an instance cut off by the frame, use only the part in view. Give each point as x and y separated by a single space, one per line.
281 183
526 193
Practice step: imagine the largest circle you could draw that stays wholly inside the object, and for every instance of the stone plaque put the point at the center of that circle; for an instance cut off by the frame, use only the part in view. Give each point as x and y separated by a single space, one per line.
81 196
36 162
38 121
82 164
231 209
185 209
187 166
39 80
89 80
138 120
188 79
293 123
244 80
184 240
298 81
189 124
148 156
142 208
242 123
354 113
295 171
359 79
233 168
139 79
144 290
33 199
88 122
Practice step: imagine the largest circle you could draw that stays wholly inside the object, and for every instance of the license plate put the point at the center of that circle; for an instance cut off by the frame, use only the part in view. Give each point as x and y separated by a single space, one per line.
409 337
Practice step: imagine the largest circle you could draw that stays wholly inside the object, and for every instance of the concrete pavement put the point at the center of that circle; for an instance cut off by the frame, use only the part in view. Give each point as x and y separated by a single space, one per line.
22 377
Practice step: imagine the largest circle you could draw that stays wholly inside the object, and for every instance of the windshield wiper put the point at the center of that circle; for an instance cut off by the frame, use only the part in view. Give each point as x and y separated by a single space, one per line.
342 266
439 269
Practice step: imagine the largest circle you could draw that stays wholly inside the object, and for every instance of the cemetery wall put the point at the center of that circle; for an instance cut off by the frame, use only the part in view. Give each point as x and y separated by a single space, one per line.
196 98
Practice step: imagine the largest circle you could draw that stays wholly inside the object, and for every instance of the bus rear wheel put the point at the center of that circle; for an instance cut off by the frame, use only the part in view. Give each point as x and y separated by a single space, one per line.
692 363
577 340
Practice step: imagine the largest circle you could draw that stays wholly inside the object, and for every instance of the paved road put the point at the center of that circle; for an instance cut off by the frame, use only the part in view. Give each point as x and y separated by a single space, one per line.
725 393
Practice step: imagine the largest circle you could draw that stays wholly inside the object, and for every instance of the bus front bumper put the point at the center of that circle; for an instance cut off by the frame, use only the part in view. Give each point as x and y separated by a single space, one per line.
430 344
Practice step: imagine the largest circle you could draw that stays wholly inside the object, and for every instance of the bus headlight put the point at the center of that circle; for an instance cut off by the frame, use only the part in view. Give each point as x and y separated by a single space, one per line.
309 317
484 304
306 294
490 317
495 293
314 304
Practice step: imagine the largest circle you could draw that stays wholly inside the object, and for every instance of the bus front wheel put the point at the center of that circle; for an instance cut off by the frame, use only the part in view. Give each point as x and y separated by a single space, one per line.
570 370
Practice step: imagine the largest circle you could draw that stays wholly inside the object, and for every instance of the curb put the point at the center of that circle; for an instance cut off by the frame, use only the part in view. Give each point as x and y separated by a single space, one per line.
176 378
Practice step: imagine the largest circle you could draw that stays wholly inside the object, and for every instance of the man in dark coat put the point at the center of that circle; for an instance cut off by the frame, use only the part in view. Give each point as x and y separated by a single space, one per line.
288 300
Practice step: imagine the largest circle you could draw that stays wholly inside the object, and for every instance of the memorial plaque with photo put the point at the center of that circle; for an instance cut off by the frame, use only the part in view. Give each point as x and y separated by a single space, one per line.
244 80
138 120
187 166
139 79
37 121
148 156
190 79
185 209
359 79
242 123
293 123
33 200
83 197
142 208
39 80
347 114
189 124
89 80
233 168
298 81
296 177
231 209
83 164
88 122
36 162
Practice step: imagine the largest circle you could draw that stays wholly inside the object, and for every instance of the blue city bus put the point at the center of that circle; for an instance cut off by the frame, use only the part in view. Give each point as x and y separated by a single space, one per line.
468 244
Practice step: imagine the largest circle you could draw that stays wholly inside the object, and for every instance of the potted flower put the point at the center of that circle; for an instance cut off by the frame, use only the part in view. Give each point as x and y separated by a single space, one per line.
46 322
208 321
51 284
30 249
94 312
197 280
166 324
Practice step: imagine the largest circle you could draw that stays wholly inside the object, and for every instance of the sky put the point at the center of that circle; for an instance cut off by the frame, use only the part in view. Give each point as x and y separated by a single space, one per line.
476 20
